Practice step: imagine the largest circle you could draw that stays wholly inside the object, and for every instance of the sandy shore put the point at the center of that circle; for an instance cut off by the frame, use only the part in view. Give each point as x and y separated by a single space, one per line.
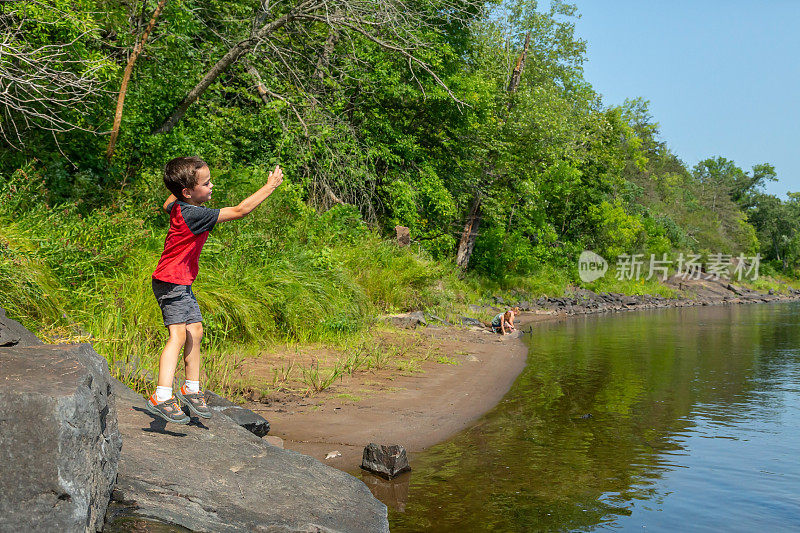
416 410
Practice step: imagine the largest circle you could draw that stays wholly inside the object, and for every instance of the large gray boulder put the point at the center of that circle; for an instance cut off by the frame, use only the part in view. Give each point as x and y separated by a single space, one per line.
59 441
12 333
213 475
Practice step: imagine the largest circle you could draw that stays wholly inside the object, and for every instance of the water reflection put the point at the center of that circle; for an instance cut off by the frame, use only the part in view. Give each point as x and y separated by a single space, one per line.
394 492
691 410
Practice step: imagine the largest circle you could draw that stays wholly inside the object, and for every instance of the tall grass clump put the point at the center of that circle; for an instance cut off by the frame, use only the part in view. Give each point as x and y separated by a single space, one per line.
398 279
29 291
286 273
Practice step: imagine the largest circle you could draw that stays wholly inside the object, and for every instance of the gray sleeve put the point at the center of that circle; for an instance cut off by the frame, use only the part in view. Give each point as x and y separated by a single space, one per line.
198 218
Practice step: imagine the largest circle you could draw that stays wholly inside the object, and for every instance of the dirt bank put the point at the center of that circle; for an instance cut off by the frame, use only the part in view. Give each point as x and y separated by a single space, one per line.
417 409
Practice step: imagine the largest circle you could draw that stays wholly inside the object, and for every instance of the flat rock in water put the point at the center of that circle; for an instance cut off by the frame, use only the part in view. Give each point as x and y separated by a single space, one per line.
386 461
213 475
59 442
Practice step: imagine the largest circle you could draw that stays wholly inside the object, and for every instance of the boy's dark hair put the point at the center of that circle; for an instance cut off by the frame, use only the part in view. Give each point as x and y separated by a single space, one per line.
181 173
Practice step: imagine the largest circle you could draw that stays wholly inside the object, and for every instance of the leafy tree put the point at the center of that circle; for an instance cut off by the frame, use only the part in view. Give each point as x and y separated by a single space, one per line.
720 177
778 226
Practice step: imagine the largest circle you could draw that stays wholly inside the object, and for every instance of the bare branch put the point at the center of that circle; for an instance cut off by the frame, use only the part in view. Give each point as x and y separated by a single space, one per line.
395 25
264 92
42 86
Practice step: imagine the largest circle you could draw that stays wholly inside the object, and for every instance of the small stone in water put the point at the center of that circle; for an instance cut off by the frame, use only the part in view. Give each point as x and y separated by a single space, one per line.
333 454
386 461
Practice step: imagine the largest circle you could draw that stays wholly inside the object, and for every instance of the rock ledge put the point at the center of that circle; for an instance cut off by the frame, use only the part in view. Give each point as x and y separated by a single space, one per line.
213 475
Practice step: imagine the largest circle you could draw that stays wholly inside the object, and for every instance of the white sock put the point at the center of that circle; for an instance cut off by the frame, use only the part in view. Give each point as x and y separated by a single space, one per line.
192 387
163 394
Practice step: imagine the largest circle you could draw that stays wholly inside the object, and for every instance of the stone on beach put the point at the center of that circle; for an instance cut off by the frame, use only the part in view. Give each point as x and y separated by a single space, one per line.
386 461
440 319
468 321
59 440
252 422
407 320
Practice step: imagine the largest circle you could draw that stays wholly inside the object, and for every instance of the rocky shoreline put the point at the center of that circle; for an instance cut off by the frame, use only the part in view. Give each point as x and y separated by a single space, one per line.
247 484
706 290
422 408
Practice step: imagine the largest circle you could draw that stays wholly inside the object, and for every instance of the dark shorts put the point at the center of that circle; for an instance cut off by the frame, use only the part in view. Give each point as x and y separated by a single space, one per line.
177 302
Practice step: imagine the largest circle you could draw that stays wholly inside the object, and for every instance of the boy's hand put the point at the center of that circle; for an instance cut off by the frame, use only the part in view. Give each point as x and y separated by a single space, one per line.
251 202
275 177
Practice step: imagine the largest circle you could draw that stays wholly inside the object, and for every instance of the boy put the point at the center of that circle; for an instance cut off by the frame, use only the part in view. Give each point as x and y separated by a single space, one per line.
189 181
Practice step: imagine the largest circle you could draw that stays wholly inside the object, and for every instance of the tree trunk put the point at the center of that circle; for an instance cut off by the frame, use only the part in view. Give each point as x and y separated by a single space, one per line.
219 67
470 234
516 74
467 243
126 78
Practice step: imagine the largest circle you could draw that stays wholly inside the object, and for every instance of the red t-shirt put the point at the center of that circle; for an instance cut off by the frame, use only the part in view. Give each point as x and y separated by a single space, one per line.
189 226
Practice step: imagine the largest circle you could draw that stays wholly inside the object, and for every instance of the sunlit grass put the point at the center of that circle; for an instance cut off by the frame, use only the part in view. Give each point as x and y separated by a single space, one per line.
286 276
640 287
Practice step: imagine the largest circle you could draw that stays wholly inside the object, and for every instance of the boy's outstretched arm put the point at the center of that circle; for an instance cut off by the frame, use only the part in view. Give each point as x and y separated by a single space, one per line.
251 202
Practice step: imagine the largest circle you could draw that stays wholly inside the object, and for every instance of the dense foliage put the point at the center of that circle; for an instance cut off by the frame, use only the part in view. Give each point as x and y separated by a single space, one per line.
381 113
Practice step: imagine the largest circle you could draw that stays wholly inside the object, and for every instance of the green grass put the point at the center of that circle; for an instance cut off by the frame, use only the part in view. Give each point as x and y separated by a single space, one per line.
318 379
653 286
286 274
350 397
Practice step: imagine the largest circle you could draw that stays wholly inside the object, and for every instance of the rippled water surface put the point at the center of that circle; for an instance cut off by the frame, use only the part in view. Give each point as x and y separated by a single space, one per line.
672 420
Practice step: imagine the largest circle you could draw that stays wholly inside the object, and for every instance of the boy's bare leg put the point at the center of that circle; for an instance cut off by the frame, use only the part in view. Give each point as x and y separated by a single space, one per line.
171 354
191 350
190 394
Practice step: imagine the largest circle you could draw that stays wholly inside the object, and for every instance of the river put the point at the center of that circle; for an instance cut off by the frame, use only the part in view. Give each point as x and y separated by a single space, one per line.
668 420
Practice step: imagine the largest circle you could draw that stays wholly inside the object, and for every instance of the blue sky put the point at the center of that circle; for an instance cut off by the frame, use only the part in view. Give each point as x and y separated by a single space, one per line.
722 77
